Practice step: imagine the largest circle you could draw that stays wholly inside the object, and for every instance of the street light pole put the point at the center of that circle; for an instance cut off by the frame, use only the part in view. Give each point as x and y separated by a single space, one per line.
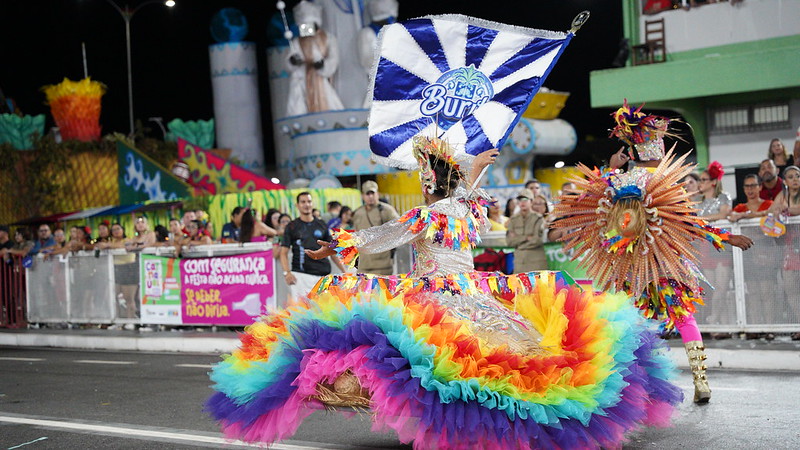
127 16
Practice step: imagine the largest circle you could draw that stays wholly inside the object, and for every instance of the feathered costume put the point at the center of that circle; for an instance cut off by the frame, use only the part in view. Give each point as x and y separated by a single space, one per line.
635 231
445 356
657 264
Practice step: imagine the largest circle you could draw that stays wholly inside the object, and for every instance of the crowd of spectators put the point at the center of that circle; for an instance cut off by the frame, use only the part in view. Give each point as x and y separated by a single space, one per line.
524 218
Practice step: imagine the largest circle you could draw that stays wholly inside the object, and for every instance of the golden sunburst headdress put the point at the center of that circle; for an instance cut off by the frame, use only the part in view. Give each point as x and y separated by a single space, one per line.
634 227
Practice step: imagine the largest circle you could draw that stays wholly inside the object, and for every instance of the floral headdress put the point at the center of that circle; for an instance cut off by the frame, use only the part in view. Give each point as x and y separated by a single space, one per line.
715 170
424 148
643 132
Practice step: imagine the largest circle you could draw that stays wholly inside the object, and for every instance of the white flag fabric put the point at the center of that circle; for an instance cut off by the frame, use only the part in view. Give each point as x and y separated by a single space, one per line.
462 79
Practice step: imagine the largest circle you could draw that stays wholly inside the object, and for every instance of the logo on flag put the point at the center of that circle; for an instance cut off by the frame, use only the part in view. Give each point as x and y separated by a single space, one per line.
455 95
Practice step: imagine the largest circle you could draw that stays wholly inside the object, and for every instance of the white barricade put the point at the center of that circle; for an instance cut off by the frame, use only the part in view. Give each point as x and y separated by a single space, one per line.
754 291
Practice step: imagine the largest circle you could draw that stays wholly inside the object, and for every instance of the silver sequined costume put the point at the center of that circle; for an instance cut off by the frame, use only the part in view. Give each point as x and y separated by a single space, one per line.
442 236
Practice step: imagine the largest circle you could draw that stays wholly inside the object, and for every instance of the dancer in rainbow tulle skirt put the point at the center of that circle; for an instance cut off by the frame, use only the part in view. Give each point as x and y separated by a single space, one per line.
445 356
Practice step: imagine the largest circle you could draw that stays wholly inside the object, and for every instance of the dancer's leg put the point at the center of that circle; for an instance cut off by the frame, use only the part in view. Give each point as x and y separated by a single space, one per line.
695 350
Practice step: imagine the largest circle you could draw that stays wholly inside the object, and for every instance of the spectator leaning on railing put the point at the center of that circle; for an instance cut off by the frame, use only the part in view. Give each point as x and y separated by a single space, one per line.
788 200
44 240
144 237
22 242
788 203
716 205
755 206
116 240
760 283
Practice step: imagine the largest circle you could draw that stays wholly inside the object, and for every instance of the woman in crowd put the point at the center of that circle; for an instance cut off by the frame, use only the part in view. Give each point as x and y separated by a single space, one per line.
439 355
116 239
759 284
143 237
80 240
162 236
715 204
252 230
511 207
692 186
103 232
343 220
22 243
272 218
755 206
778 153
788 203
495 215
196 234
283 222
176 234
61 239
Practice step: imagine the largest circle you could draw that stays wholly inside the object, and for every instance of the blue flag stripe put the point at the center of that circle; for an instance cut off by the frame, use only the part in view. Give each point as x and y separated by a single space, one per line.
517 95
478 42
424 33
385 142
530 53
477 141
393 82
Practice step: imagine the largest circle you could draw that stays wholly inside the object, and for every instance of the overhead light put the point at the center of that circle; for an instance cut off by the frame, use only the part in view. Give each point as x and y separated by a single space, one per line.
559 164
275 180
170 3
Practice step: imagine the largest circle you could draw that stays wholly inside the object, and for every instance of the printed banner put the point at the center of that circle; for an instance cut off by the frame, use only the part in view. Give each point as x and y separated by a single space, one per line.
217 175
142 179
160 280
558 260
230 290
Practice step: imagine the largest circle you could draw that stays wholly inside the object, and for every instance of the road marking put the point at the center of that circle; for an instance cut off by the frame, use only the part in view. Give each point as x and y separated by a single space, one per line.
140 432
10 358
28 443
196 366
100 361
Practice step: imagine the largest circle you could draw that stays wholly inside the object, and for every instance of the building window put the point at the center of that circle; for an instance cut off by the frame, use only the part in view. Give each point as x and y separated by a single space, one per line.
746 119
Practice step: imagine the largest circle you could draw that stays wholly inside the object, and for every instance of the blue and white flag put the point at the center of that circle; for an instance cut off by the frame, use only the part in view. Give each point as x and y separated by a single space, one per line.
462 79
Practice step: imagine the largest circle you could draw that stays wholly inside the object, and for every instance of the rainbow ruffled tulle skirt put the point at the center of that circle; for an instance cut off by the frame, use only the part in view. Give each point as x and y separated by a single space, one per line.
603 372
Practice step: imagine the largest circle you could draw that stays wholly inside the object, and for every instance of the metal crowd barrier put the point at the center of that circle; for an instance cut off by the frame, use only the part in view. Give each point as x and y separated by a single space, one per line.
757 290
12 293
99 287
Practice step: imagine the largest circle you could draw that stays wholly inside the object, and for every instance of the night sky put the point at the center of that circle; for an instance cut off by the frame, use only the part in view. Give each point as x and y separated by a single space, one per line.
40 44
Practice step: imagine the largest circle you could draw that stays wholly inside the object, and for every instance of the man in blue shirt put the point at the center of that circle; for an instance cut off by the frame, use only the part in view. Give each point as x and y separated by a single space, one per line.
44 239
230 231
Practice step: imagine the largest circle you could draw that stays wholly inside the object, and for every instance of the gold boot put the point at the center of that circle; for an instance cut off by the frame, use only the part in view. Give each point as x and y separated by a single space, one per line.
697 356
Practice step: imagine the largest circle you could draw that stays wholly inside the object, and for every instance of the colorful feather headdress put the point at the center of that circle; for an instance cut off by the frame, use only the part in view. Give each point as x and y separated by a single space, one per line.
643 132
423 149
600 225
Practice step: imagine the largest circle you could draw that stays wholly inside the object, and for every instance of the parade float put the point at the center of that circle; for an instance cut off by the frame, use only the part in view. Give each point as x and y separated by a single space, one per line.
335 142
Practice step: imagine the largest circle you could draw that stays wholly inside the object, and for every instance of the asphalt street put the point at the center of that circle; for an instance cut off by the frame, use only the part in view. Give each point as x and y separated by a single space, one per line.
58 399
